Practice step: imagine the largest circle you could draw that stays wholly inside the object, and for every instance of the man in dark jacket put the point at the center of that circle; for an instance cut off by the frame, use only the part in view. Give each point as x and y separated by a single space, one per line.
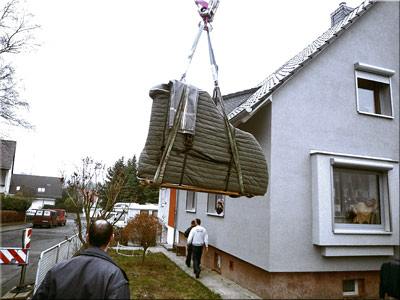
189 246
90 275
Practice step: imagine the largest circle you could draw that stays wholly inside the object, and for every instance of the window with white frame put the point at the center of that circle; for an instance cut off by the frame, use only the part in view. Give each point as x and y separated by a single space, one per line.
358 195
353 195
373 85
350 288
41 189
18 188
216 204
190 201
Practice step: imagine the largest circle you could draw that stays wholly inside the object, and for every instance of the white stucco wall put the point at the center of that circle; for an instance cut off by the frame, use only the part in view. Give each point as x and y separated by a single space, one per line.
317 110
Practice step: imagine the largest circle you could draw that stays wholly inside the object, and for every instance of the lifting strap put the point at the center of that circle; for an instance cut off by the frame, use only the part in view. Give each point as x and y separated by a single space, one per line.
207 14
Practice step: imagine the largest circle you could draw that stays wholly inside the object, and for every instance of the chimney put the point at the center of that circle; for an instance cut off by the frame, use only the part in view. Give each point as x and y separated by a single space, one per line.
340 13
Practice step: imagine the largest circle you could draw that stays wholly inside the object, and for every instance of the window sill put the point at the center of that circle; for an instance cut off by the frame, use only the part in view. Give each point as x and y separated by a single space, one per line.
361 231
215 215
191 211
375 115
343 251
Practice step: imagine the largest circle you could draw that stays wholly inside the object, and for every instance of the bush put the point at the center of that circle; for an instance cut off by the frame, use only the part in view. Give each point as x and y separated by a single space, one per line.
142 229
15 203
8 216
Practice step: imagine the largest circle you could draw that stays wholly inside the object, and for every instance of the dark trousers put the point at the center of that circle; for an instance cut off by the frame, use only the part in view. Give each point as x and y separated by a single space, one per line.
189 254
197 252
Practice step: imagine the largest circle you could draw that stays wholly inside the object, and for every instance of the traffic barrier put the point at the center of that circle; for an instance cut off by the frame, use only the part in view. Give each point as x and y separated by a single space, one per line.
26 240
14 256
50 257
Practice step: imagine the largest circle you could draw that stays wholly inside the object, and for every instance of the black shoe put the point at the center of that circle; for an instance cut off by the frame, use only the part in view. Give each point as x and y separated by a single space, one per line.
188 265
197 275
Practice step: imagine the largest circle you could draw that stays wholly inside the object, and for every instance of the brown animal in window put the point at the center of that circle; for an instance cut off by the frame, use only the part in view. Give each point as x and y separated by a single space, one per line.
365 211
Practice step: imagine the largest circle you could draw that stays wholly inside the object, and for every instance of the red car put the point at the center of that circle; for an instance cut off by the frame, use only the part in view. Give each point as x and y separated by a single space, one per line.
61 216
45 217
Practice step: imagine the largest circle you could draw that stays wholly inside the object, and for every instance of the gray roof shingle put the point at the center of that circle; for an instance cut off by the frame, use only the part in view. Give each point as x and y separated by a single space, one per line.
231 101
7 154
31 183
277 78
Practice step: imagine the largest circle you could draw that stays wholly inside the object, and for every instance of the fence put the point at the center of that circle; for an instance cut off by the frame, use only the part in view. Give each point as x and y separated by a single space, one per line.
48 258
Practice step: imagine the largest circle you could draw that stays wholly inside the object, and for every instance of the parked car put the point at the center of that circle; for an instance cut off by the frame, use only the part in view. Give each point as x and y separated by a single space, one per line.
45 217
29 214
61 216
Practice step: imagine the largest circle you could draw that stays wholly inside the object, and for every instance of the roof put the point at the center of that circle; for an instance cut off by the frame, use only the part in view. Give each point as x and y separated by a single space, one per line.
231 101
30 183
291 67
7 154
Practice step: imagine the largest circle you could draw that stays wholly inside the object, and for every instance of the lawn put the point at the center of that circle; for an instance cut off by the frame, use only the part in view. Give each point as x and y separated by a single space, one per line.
160 278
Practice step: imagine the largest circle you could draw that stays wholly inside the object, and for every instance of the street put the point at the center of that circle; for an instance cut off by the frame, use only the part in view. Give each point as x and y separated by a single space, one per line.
42 239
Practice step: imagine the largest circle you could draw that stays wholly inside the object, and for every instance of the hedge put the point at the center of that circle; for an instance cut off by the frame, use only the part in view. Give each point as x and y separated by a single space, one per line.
8 216
16 203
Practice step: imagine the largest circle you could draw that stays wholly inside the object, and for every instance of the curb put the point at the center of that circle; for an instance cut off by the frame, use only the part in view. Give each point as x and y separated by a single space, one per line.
14 227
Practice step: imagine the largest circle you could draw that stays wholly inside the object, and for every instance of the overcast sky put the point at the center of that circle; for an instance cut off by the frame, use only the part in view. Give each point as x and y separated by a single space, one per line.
88 82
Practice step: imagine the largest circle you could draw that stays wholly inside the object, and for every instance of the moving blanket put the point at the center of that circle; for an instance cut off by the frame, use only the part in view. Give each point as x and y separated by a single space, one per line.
202 161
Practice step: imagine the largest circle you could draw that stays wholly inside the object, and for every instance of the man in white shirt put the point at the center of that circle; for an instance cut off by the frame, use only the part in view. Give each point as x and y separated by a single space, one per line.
198 237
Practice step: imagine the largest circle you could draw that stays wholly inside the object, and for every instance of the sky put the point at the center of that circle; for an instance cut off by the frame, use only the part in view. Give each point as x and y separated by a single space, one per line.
87 82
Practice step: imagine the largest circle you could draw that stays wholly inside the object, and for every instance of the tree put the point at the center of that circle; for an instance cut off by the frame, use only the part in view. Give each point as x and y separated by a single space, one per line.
132 191
15 37
142 229
83 188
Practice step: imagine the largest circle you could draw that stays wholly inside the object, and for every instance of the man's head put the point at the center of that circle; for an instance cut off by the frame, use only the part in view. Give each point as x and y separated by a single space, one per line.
193 223
198 221
100 233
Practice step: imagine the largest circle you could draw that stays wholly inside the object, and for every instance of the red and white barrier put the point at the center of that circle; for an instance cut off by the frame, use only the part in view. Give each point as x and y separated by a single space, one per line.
26 241
14 256
17 256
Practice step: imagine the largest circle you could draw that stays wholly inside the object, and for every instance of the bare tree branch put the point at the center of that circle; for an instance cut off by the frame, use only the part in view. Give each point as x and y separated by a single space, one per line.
15 37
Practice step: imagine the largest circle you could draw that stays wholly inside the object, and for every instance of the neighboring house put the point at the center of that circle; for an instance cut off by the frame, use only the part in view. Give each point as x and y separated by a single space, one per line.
43 189
123 212
7 157
328 121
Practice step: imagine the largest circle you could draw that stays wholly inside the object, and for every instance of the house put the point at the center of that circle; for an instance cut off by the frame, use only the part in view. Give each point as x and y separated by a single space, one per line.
7 157
328 122
166 214
123 212
43 189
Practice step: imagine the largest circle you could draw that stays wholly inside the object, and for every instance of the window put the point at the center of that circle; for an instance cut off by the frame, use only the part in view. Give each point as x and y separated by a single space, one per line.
190 201
217 262
353 201
357 196
350 287
216 204
17 188
374 90
41 190
361 195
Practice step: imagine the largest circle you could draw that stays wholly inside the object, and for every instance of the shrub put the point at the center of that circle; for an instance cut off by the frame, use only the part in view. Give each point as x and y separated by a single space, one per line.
16 203
142 229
